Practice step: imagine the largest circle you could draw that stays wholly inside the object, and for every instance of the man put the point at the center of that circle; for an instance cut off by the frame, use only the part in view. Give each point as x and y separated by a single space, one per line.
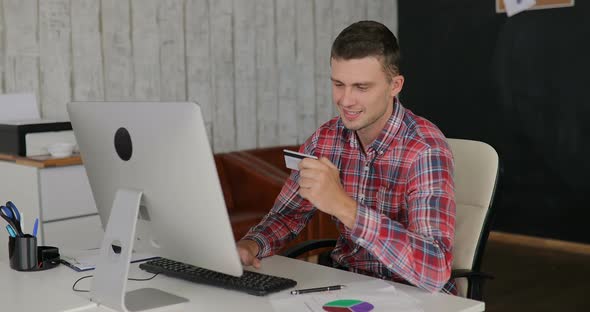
383 173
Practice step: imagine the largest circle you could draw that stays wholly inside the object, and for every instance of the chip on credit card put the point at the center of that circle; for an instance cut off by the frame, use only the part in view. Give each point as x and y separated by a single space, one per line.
292 158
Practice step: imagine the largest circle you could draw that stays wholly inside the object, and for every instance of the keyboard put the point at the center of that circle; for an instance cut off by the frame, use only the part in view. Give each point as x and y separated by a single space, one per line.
250 282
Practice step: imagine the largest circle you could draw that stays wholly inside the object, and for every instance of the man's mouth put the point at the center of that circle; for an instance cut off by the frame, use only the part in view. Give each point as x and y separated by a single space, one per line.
351 114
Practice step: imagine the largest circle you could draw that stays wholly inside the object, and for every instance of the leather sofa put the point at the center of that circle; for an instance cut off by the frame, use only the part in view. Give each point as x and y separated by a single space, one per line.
249 192
251 181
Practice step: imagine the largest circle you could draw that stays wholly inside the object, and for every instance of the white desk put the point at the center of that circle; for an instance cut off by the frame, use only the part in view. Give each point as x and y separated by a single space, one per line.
51 290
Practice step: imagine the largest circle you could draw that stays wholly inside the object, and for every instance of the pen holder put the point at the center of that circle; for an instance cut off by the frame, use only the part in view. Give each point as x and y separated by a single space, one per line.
22 252
25 255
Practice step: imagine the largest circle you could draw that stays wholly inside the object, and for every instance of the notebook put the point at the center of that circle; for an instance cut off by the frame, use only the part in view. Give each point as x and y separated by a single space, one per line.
85 260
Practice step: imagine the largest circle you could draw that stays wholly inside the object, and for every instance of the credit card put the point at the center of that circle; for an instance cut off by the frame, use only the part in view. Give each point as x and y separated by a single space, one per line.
292 159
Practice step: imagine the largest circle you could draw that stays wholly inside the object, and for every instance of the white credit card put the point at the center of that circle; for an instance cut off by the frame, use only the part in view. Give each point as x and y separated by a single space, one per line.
292 159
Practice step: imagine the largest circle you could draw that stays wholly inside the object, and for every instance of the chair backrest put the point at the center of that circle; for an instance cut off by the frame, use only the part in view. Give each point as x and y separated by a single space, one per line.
475 175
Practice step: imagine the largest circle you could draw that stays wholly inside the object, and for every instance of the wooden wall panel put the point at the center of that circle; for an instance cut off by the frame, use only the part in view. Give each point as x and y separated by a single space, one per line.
172 65
323 43
87 73
21 47
55 58
304 70
116 40
245 77
266 73
287 110
198 59
146 49
1 47
224 130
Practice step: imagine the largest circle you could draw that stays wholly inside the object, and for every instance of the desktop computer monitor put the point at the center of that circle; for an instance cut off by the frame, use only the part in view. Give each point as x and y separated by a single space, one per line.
162 150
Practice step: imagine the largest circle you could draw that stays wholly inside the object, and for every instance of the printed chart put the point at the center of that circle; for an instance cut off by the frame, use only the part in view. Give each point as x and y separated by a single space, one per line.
348 305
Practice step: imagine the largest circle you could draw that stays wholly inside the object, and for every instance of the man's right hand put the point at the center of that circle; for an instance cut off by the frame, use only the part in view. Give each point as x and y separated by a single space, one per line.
248 249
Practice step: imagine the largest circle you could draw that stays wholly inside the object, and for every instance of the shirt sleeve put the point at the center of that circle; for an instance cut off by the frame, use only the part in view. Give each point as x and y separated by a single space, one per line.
420 253
288 216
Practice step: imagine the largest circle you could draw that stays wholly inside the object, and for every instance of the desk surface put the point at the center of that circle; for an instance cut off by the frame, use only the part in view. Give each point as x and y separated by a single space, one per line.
51 290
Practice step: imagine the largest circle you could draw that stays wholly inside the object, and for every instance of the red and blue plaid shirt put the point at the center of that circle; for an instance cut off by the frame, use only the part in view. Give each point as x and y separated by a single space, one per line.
403 185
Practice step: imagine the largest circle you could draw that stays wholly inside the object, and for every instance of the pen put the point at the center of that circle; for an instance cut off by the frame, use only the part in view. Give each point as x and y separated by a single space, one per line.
35 226
318 289
22 223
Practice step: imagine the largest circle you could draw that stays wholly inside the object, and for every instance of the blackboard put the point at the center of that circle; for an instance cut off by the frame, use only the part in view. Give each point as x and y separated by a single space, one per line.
521 84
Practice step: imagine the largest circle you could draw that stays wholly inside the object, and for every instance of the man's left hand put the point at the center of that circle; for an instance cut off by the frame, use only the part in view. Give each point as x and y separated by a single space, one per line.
319 182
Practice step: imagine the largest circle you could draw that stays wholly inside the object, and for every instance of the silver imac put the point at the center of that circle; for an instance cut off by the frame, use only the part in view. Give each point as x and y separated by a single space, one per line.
156 156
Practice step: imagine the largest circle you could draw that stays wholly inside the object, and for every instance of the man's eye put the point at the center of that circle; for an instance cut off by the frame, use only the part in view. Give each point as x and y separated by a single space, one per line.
363 88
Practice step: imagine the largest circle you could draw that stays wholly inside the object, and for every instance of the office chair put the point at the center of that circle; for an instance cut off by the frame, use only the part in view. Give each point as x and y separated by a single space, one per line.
476 175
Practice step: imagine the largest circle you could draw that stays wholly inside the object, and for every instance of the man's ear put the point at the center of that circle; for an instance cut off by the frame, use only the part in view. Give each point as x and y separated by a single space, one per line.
397 83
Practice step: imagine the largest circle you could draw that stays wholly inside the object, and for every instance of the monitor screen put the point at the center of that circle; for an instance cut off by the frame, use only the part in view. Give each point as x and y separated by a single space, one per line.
162 150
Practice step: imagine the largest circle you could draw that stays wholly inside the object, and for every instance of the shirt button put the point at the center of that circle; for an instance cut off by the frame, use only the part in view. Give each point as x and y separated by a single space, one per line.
367 167
362 197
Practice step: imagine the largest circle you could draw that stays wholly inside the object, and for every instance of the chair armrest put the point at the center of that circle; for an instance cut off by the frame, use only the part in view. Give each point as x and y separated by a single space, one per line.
475 281
306 246
469 274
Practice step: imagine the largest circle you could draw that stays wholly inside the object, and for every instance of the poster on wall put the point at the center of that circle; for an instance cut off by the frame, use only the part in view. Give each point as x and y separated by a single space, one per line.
512 7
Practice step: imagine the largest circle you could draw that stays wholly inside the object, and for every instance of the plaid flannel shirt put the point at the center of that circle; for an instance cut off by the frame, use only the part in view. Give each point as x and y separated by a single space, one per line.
403 185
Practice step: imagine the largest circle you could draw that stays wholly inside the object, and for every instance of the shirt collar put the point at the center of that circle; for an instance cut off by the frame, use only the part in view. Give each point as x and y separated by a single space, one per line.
386 135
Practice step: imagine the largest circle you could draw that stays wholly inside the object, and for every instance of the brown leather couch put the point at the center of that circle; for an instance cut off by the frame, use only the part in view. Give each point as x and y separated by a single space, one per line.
251 180
249 191
270 161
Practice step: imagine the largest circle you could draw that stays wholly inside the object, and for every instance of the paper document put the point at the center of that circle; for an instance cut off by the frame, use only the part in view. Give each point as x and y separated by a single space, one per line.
374 296
84 260
18 106
516 6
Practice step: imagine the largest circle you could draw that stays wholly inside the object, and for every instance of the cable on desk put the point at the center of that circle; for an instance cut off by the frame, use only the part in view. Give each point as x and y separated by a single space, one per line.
129 279
76 282
142 279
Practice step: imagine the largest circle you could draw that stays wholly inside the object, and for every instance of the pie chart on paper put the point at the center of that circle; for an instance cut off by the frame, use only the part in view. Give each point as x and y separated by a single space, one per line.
348 305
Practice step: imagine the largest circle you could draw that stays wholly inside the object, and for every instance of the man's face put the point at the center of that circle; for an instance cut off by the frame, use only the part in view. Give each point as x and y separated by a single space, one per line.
363 95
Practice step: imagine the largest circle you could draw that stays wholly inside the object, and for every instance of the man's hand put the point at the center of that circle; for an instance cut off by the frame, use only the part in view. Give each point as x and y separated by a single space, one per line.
248 249
319 183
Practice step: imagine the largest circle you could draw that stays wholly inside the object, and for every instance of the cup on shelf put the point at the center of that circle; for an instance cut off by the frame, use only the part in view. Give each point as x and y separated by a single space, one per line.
61 149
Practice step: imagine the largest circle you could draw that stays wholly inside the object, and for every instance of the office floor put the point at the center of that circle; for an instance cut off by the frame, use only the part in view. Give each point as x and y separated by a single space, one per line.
535 279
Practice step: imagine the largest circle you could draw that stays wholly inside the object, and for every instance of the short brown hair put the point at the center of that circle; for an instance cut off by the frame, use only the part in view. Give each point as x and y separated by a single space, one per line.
368 38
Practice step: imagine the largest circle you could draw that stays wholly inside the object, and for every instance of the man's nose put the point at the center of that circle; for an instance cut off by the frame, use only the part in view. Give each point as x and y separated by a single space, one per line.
347 98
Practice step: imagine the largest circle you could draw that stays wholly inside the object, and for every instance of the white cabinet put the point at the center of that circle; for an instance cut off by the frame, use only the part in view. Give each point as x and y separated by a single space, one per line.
60 196
76 233
65 193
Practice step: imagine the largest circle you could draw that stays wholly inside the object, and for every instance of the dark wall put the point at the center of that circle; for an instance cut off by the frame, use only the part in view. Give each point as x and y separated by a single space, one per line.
520 84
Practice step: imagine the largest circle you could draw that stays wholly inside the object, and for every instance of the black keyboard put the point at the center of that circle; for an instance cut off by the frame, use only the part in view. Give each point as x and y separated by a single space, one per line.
250 282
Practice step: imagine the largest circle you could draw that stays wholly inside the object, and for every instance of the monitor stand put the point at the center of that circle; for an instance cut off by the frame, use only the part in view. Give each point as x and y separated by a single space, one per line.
112 269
